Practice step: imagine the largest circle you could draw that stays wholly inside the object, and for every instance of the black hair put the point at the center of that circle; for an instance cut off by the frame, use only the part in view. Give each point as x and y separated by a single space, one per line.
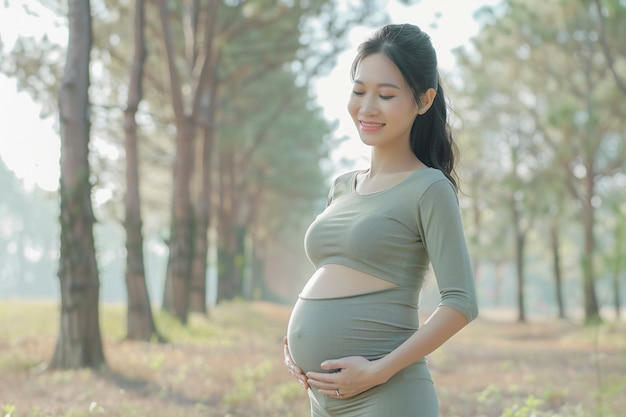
411 50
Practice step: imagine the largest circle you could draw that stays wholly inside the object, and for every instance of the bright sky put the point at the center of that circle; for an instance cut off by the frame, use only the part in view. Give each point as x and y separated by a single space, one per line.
30 146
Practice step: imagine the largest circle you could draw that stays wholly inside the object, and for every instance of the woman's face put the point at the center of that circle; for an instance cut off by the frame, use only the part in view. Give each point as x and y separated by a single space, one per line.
381 104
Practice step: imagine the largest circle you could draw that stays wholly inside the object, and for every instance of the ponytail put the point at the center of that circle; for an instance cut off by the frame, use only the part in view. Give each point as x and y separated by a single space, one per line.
431 138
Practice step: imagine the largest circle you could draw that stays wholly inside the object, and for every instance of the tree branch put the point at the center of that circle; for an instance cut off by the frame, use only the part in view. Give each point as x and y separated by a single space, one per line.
605 48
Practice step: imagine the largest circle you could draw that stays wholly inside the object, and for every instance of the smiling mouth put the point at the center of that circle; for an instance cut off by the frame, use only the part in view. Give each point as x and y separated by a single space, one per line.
370 125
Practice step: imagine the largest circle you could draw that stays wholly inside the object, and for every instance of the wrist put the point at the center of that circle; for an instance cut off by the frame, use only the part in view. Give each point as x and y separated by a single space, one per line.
382 370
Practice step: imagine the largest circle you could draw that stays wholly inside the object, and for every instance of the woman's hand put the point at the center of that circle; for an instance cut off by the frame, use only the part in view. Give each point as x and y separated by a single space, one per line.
292 367
354 375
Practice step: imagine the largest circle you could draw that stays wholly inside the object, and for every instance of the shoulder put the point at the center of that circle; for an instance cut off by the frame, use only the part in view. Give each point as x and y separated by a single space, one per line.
438 200
346 177
429 183
429 176
342 184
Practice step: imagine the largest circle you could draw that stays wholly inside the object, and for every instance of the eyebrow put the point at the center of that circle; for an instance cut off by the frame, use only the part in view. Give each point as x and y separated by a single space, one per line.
379 85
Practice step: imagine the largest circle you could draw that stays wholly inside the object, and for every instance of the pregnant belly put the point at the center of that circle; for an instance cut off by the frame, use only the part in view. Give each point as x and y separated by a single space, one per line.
369 325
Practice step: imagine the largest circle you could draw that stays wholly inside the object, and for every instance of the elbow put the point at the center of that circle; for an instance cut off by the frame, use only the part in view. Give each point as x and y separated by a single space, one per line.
463 303
473 312
470 310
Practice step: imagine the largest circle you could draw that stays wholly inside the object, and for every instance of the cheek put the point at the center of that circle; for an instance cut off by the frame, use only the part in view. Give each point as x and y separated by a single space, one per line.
409 112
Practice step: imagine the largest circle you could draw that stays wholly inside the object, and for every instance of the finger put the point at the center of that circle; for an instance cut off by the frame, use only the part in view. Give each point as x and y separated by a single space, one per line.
323 377
293 368
300 376
329 392
288 359
323 384
335 364
333 393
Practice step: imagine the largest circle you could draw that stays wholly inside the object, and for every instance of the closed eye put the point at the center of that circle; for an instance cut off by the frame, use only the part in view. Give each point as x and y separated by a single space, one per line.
361 93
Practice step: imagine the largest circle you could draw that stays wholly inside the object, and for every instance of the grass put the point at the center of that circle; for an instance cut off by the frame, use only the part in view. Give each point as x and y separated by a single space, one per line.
230 364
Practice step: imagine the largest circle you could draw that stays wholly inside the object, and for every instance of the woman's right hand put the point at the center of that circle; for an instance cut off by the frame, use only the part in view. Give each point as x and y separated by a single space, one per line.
292 367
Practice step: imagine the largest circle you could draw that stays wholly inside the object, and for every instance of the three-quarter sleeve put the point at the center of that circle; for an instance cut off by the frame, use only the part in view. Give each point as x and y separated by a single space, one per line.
441 228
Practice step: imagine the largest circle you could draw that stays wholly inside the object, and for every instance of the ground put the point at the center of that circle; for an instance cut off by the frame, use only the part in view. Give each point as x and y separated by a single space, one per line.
230 364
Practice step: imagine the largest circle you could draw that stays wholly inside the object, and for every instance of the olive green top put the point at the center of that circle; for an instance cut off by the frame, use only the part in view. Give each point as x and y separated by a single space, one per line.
394 234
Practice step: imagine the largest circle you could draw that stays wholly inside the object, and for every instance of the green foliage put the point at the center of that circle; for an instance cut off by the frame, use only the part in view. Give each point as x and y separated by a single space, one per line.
490 396
531 407
284 394
528 409
197 329
248 380
7 410
493 398
17 361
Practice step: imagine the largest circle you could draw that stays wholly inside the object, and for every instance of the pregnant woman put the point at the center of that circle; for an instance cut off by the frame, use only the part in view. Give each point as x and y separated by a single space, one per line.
354 339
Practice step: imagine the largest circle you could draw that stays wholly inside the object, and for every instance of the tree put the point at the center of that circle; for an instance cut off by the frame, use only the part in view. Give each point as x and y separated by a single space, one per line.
79 342
216 50
506 147
527 50
182 231
140 323
267 166
584 144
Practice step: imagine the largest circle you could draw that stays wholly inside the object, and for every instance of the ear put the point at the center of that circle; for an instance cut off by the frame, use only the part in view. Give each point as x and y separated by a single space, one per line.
426 100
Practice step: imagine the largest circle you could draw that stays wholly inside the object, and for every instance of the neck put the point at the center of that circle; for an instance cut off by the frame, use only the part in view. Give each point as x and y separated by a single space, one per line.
389 161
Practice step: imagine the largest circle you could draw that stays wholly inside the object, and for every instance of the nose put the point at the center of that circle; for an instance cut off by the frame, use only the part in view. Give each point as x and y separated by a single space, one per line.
368 105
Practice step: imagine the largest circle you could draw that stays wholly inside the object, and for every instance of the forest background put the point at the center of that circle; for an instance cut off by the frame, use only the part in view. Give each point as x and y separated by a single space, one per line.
204 160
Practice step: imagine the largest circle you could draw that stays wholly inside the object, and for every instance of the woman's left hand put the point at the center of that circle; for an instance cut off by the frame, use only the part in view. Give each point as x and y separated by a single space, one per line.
354 375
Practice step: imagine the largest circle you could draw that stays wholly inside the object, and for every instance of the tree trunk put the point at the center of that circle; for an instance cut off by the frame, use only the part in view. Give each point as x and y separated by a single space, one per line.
499 274
176 292
617 304
201 211
228 283
139 320
202 207
620 232
556 264
520 243
521 304
231 260
592 311
258 271
79 342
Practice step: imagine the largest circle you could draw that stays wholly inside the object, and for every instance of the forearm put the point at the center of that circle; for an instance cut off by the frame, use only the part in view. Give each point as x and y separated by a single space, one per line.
440 326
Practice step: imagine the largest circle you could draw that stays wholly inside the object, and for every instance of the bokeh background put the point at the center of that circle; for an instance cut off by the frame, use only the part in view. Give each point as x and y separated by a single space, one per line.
236 134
